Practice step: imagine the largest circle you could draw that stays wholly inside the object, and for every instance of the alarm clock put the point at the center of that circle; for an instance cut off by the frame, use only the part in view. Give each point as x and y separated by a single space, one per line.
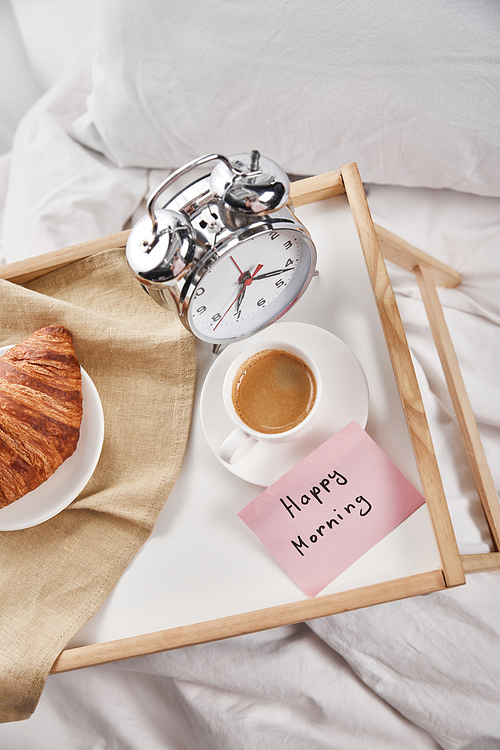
227 252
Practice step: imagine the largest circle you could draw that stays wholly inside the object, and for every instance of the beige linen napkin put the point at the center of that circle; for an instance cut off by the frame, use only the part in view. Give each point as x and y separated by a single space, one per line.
54 576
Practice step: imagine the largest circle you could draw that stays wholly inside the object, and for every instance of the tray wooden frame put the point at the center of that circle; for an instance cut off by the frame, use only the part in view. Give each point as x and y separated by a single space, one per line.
377 243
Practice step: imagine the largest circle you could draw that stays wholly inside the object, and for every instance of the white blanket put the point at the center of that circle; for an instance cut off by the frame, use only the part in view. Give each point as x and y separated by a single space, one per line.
420 673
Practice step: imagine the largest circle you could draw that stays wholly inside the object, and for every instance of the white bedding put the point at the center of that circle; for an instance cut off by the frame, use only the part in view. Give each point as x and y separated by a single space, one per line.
422 673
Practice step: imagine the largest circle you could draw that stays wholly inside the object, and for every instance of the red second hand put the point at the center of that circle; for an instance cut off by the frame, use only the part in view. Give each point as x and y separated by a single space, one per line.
237 266
246 283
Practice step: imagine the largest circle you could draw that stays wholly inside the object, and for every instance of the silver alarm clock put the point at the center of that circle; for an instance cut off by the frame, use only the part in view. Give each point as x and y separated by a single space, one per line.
227 252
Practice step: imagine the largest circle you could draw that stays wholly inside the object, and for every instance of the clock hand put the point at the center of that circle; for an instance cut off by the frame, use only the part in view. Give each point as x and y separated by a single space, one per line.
240 298
244 283
249 281
237 266
241 290
243 276
273 273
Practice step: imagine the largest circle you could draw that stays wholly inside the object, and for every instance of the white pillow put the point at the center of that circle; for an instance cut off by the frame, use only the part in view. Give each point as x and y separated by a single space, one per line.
18 85
408 90
53 32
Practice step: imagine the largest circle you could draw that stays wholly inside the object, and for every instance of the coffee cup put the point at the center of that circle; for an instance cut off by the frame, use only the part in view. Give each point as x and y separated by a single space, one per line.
271 392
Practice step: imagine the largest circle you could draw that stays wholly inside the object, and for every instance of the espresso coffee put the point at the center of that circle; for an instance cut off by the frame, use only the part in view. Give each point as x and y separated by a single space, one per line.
273 391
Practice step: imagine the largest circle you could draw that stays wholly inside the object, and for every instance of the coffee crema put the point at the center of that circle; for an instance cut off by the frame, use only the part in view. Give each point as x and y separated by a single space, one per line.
273 391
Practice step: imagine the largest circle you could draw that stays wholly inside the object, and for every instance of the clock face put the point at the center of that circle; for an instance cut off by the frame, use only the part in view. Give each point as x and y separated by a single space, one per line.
251 285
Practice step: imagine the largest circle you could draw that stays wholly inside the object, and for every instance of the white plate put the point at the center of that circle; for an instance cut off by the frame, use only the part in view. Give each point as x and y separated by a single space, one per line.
345 399
70 478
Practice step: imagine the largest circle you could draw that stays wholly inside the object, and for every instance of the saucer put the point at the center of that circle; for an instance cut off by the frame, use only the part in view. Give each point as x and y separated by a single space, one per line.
345 398
60 489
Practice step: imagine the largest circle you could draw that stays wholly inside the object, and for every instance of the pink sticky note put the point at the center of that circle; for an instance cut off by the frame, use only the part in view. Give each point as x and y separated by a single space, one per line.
331 508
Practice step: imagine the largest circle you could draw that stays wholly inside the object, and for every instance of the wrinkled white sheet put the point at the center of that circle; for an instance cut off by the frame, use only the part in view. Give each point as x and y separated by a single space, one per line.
421 673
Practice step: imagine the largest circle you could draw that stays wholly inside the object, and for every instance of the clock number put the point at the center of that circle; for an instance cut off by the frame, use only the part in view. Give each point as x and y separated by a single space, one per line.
279 283
274 235
201 310
289 263
261 302
216 317
199 291
287 245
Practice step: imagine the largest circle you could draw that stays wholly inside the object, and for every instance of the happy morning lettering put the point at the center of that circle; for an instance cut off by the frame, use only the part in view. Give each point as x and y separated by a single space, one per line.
360 506
330 509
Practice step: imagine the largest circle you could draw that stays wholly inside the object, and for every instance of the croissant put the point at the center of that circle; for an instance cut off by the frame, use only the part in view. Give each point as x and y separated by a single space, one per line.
40 410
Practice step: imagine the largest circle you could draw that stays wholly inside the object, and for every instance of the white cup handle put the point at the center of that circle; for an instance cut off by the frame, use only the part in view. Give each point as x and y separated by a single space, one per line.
237 441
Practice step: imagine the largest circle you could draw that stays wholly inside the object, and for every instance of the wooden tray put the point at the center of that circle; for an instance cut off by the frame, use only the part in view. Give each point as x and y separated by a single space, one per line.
377 244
